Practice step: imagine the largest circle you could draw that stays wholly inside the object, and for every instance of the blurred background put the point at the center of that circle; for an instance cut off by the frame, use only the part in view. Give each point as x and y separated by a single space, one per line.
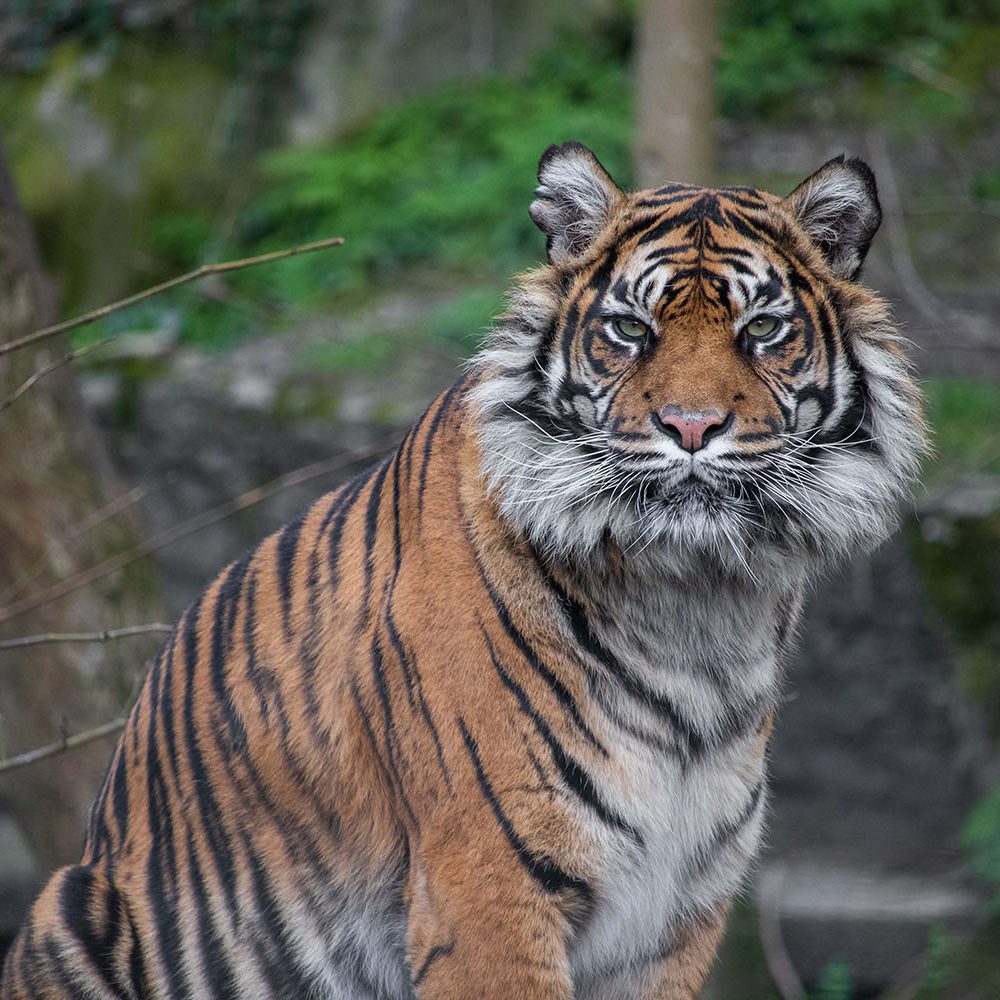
142 138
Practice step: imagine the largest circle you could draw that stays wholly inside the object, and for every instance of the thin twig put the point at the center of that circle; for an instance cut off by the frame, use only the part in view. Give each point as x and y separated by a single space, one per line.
906 269
51 367
62 746
116 506
779 965
925 300
189 527
935 204
120 504
202 271
155 628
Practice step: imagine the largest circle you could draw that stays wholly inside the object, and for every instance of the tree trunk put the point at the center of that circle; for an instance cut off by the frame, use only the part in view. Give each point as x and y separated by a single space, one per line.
53 474
675 105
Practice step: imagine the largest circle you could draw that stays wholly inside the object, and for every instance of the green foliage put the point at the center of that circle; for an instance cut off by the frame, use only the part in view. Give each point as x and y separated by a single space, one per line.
959 557
835 983
779 56
965 415
986 185
443 180
462 323
982 841
940 961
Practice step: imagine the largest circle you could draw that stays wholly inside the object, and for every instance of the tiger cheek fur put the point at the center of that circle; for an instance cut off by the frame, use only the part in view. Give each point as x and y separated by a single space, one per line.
491 719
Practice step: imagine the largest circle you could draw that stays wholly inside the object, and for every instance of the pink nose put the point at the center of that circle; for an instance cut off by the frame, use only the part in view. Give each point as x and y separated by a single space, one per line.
690 430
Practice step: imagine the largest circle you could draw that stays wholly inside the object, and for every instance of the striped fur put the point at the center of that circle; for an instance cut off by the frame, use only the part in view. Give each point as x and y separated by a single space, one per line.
491 719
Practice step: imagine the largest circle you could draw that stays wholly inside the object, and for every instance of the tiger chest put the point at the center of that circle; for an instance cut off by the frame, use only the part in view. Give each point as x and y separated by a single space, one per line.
700 824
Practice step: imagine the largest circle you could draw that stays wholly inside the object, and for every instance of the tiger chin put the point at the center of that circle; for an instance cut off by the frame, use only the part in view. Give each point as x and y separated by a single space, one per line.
491 719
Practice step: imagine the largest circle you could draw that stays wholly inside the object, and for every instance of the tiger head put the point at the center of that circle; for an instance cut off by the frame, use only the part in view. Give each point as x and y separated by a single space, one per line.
699 370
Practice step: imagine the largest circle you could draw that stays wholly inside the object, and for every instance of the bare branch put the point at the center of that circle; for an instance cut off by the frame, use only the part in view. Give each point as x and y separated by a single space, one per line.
935 204
779 965
204 270
116 506
62 746
155 628
921 296
906 269
51 367
188 527
119 504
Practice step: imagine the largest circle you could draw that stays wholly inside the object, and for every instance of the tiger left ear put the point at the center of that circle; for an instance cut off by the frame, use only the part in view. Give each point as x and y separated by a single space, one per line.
838 207
573 201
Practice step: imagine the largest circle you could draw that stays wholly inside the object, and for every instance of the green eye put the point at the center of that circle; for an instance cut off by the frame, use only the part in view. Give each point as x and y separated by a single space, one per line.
630 329
763 326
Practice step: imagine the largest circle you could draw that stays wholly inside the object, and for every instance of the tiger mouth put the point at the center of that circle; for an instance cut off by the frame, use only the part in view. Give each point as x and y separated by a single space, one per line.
692 492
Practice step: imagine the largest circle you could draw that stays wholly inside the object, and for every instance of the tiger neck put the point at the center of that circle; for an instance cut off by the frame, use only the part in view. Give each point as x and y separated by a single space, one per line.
678 621
666 616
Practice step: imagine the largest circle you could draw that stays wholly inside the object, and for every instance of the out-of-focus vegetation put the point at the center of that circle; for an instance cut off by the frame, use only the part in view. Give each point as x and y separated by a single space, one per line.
442 180
904 59
959 561
958 557
982 838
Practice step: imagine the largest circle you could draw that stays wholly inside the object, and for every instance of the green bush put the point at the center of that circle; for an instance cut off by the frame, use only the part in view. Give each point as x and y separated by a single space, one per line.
443 180
982 841
778 54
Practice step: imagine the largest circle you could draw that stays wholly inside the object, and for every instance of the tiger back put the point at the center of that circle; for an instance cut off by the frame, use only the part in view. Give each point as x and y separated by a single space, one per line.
490 720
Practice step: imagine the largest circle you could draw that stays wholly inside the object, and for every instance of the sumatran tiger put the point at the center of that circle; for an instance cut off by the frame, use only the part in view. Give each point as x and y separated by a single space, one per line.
491 720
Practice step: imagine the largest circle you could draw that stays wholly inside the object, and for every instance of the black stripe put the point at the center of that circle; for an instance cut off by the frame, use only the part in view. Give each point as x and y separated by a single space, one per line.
336 518
725 832
524 647
226 603
210 816
281 970
693 741
577 779
438 951
76 897
414 689
372 509
161 882
215 963
287 548
440 414
388 725
542 868
263 679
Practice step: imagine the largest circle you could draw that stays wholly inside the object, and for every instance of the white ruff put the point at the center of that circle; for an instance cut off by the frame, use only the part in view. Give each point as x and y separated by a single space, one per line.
567 494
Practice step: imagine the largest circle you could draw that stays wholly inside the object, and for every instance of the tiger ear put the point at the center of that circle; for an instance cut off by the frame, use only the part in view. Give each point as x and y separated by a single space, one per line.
838 207
573 201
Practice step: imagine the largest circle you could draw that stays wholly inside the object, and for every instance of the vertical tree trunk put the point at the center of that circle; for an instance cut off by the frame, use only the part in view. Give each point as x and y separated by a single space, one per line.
675 104
53 474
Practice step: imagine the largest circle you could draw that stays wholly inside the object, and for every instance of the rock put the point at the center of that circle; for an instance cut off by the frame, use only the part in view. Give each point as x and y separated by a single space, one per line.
872 920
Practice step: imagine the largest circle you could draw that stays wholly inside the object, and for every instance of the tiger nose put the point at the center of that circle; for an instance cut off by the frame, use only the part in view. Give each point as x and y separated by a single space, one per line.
691 430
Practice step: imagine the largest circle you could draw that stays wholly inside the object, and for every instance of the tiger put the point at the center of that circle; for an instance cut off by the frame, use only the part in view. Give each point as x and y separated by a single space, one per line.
491 719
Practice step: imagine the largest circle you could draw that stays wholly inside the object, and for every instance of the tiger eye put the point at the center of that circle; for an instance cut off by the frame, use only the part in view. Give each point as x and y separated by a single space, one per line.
762 326
630 329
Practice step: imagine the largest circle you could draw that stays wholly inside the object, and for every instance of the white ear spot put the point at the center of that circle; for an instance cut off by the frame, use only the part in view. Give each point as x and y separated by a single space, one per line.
573 201
838 208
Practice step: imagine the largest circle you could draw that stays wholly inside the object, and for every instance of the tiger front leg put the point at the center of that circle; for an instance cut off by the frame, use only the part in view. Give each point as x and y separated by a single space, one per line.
681 973
479 928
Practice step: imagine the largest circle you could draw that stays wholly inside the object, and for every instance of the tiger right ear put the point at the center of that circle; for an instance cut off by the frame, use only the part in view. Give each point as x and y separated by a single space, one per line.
838 207
573 201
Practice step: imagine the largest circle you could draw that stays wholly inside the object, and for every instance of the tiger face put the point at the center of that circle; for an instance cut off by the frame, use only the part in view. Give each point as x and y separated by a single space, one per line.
698 369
